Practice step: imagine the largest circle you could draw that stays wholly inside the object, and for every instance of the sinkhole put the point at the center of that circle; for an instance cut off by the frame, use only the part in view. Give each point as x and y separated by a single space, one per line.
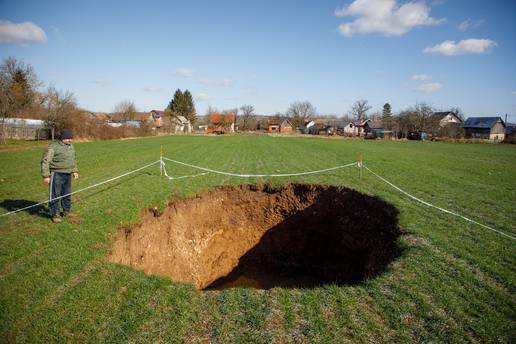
264 236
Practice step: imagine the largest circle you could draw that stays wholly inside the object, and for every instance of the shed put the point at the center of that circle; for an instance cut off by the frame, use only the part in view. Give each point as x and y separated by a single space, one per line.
489 128
24 129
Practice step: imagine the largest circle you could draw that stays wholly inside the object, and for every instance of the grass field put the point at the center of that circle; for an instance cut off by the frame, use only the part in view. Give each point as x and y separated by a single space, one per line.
454 282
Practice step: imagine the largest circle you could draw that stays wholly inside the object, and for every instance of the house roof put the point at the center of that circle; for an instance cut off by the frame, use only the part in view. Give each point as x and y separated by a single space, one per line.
181 120
361 124
26 122
286 123
159 112
510 128
440 115
133 124
482 122
220 118
376 125
273 120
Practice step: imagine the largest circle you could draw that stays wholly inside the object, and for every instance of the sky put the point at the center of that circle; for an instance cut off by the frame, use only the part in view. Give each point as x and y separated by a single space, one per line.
447 53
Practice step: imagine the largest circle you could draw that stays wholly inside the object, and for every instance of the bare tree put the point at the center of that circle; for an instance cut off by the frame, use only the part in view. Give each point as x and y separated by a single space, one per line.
126 109
418 117
59 108
299 112
359 110
424 114
247 114
18 89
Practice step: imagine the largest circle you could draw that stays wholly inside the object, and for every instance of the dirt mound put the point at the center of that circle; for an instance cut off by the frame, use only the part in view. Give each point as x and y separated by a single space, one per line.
263 236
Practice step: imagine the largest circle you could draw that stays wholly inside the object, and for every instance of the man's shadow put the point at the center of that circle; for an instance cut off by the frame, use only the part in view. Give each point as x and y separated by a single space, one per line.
42 210
15 204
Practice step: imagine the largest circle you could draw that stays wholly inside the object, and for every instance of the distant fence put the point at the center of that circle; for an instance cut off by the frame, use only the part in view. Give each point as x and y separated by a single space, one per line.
25 133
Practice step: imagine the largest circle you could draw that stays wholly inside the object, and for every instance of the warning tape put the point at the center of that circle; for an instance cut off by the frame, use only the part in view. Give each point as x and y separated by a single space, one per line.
164 169
436 207
259 175
80 190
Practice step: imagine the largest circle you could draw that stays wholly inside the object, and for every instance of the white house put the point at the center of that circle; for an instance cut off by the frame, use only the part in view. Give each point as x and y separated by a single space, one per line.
181 125
357 128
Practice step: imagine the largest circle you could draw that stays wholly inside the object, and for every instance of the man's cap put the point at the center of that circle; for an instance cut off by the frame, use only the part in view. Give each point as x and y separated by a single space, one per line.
66 134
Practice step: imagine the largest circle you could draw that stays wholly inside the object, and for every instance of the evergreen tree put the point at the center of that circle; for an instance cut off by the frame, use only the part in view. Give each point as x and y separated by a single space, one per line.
190 112
387 120
183 105
175 104
387 111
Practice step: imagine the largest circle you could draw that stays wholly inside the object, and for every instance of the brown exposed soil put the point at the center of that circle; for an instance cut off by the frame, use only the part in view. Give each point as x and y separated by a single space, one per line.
296 235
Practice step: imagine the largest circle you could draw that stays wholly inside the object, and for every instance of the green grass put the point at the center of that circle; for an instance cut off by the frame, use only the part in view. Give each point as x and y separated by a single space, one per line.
454 282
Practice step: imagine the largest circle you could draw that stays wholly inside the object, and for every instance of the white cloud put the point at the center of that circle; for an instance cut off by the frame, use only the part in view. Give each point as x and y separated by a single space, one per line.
203 97
421 77
514 93
466 46
384 16
26 32
217 82
469 24
431 87
184 72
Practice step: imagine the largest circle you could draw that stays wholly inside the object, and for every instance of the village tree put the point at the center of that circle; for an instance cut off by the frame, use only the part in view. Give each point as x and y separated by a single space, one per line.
18 89
247 113
299 112
183 105
58 107
126 109
359 110
387 116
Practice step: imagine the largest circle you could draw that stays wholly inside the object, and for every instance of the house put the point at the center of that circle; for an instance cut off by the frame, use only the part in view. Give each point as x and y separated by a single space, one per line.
132 124
358 128
156 118
181 125
326 130
510 133
286 127
273 124
487 128
310 127
24 129
446 118
99 117
363 127
445 123
222 123
276 124
379 131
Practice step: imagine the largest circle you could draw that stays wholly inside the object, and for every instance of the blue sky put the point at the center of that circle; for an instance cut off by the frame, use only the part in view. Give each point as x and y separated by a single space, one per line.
271 53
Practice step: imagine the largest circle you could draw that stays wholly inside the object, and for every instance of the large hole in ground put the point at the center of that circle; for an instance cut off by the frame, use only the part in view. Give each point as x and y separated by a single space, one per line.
261 236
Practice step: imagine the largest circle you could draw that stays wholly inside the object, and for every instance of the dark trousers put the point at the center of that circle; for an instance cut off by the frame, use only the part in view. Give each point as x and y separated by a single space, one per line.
60 185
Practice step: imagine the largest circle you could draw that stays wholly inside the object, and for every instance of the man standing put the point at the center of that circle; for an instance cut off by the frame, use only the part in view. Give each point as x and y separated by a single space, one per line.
58 165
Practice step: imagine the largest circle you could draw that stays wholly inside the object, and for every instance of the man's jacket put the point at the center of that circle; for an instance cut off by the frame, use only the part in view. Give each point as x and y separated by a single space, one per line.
59 157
